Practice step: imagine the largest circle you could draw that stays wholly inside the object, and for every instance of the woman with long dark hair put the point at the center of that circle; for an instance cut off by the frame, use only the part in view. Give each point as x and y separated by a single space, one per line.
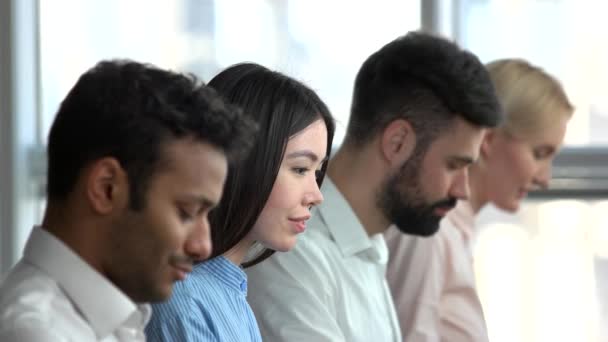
266 203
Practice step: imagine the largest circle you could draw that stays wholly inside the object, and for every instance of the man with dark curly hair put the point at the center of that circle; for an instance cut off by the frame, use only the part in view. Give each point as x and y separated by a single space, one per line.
137 157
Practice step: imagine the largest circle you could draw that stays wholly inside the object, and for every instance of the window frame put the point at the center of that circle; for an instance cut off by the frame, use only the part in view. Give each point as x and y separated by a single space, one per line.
19 124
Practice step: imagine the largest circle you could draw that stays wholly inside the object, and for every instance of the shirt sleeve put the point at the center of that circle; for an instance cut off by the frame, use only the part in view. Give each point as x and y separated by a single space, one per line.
169 324
416 275
293 296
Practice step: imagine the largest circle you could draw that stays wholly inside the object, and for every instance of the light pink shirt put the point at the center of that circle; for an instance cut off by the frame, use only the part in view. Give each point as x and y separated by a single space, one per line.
433 284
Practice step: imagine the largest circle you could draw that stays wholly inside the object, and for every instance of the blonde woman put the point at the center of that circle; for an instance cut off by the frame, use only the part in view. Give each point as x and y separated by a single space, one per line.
432 279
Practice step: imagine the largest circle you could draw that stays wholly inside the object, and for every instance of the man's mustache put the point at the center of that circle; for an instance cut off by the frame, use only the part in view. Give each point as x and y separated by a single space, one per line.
447 203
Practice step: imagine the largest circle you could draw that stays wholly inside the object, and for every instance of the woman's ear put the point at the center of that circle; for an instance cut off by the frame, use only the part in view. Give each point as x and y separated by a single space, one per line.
398 142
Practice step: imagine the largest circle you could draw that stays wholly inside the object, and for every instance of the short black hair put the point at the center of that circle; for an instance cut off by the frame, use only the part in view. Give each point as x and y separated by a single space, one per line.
282 107
129 110
426 80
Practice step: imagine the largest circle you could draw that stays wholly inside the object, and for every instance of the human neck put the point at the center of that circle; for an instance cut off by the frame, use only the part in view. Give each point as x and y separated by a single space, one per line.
237 253
354 176
477 197
76 231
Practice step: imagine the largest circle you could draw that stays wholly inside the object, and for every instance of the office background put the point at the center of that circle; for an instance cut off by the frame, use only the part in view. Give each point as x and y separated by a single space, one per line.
542 274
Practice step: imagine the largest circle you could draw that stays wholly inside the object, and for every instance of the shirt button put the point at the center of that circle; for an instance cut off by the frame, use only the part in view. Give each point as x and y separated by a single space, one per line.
244 286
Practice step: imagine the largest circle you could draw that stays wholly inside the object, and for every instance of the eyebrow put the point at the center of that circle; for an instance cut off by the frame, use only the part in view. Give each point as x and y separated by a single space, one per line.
305 153
204 202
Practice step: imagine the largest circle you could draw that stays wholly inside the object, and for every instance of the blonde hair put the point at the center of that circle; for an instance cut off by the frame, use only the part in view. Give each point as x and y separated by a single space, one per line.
531 98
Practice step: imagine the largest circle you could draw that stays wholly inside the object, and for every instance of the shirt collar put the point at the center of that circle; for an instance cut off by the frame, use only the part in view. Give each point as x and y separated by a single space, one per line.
345 227
100 302
226 271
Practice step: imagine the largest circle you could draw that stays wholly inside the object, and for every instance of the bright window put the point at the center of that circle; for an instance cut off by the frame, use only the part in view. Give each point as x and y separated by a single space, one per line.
542 274
563 36
322 43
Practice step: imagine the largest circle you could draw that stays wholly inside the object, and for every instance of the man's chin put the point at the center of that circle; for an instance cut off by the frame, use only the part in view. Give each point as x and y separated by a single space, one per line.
155 295
160 296
422 230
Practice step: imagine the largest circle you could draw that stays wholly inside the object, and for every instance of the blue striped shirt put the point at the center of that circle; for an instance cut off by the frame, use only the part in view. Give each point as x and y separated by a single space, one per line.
209 305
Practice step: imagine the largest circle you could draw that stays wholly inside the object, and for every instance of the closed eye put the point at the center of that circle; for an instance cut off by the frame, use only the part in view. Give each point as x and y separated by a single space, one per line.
543 152
184 215
191 207
300 170
459 163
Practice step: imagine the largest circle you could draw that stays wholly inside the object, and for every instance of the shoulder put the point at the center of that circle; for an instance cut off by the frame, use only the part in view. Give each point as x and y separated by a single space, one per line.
189 297
26 291
306 271
169 323
184 317
416 261
25 278
34 308
29 331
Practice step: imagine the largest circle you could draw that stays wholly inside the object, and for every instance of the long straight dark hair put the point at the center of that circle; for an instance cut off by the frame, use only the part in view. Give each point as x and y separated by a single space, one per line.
282 107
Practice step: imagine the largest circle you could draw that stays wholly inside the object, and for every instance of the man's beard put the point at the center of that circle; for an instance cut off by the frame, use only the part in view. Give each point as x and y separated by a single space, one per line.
402 202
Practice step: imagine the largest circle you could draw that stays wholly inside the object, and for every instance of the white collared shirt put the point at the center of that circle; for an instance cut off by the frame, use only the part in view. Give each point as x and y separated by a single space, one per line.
54 295
330 287
433 282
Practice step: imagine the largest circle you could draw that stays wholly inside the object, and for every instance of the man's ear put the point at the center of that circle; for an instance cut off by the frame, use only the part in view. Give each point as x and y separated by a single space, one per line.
107 186
398 142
